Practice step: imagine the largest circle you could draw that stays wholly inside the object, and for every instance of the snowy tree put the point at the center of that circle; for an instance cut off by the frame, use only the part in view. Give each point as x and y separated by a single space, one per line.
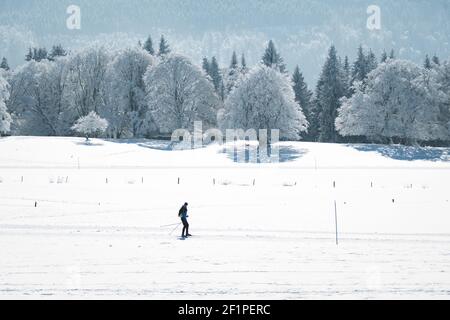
206 66
90 125
37 54
164 48
400 102
86 76
214 73
384 57
363 65
265 100
124 104
303 96
178 94
4 64
443 78
392 55
359 70
57 51
330 89
427 63
5 117
436 60
29 55
243 63
272 58
371 62
36 99
148 46
233 75
346 69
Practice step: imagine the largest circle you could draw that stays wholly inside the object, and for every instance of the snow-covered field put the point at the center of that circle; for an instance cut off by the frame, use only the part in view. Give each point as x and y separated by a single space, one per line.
89 221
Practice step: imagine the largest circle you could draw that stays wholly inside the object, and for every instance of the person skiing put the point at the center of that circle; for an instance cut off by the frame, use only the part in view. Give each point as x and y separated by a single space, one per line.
183 215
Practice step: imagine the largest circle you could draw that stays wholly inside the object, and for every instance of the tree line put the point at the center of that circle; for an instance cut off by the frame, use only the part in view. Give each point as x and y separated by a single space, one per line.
143 92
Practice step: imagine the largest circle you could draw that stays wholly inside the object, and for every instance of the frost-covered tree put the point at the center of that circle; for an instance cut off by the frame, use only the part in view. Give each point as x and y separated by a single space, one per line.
359 70
265 100
4 64
178 94
91 125
244 64
164 48
57 51
37 90
206 66
214 73
384 57
363 65
443 78
436 60
346 69
86 77
329 90
36 54
273 59
392 55
5 117
124 106
371 62
400 102
148 46
233 75
427 63
303 96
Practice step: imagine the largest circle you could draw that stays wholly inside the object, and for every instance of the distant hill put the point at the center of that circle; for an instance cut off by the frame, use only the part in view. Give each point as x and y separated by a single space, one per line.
302 29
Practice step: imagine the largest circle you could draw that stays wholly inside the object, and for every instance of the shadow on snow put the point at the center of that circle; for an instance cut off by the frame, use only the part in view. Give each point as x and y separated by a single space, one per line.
407 153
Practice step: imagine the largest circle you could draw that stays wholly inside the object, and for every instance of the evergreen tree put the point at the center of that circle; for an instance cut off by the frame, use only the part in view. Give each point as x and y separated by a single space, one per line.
164 48
272 58
347 76
303 96
4 65
233 76
436 60
234 61
57 51
359 70
427 63
243 62
371 62
148 46
215 75
329 91
37 54
42 54
206 66
29 55
384 57
392 55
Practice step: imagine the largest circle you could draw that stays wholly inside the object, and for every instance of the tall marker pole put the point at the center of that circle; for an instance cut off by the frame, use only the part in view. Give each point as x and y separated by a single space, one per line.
336 220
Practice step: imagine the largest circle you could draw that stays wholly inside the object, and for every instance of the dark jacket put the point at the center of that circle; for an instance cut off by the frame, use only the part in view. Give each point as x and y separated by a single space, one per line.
183 212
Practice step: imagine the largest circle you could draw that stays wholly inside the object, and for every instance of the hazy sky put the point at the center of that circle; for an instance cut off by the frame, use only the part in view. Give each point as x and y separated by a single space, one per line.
302 29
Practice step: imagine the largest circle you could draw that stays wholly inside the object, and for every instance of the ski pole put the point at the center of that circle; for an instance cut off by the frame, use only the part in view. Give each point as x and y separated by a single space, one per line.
175 229
169 225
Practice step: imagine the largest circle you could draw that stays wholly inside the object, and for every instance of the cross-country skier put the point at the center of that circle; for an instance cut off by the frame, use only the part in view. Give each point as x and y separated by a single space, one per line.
183 215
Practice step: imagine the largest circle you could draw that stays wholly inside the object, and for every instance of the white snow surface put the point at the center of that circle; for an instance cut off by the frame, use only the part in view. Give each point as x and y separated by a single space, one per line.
84 221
